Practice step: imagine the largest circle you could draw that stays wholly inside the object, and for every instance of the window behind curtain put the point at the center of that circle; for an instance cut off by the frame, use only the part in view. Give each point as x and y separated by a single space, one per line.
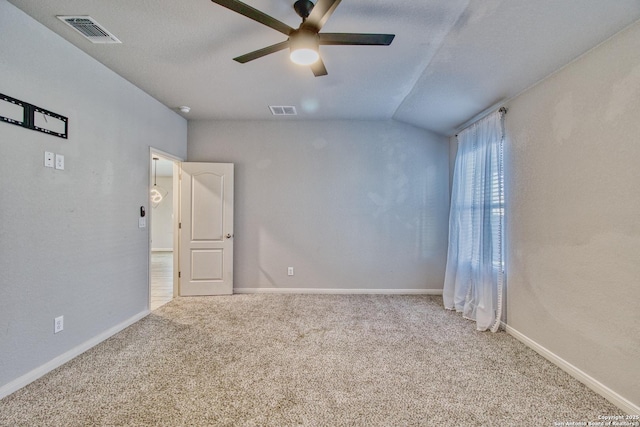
475 263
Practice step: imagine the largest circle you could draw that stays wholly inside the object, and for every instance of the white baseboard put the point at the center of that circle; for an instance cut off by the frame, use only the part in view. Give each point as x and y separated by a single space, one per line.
595 385
161 249
330 291
33 375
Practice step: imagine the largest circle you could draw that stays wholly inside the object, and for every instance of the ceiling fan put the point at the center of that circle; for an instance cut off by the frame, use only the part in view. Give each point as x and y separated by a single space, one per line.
303 42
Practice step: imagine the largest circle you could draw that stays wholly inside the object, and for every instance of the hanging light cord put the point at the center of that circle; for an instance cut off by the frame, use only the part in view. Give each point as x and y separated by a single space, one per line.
155 171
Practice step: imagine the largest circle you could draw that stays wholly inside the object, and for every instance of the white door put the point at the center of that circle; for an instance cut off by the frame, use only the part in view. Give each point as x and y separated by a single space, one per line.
206 229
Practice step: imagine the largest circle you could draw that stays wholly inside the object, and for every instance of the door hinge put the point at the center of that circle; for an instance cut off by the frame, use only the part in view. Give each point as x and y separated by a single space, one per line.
179 225
179 274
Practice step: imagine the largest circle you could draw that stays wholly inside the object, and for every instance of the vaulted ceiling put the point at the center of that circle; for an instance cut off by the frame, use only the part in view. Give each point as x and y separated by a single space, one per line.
449 61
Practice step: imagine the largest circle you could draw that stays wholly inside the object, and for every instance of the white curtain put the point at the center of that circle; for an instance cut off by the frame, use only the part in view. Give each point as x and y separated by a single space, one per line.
474 277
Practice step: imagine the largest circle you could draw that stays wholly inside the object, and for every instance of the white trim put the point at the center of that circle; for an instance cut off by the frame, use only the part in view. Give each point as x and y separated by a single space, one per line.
33 375
166 155
161 249
337 291
595 385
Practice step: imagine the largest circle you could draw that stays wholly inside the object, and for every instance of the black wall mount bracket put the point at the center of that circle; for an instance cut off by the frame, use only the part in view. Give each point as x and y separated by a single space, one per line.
29 116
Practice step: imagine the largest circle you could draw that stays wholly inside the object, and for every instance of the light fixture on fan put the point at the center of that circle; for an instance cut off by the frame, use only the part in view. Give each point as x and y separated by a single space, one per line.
303 46
157 193
304 41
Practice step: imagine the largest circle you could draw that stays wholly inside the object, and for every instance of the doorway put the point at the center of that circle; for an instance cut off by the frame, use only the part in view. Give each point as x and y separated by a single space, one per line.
162 233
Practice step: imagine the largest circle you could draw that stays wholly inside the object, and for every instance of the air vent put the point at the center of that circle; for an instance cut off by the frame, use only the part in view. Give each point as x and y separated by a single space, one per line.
282 110
89 28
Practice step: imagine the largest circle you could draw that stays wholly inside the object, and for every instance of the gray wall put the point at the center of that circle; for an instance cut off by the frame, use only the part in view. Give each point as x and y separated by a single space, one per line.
349 205
69 240
573 206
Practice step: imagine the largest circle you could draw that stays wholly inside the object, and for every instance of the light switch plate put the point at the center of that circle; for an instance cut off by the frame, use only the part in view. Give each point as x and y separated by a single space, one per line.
59 162
142 222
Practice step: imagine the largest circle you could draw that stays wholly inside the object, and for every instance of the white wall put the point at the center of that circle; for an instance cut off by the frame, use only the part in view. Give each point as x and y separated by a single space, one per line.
162 218
69 240
349 205
573 206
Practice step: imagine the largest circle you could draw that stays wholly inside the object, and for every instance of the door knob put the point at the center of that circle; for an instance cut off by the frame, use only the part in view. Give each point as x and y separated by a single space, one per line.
228 236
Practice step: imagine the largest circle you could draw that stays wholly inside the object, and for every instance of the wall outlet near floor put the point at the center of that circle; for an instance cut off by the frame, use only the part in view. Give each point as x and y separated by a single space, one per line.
290 271
58 324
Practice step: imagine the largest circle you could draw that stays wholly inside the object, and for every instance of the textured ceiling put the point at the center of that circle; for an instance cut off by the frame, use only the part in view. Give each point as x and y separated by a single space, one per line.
450 60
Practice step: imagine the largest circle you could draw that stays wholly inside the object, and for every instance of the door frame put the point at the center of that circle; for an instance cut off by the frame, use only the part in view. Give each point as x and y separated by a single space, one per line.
175 210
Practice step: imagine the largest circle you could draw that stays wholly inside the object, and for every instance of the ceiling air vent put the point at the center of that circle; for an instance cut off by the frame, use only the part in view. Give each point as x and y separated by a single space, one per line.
88 27
282 110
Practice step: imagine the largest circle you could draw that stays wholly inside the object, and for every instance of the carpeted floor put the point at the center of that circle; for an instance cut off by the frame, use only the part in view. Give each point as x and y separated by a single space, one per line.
311 360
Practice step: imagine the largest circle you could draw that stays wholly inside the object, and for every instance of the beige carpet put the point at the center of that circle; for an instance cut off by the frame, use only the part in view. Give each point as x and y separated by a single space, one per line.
312 360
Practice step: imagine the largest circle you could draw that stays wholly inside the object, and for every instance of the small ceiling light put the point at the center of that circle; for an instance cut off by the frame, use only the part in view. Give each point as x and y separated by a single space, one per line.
304 47
304 56
185 109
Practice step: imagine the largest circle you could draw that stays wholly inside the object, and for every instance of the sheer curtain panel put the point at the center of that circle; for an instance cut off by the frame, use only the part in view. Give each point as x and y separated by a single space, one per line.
474 276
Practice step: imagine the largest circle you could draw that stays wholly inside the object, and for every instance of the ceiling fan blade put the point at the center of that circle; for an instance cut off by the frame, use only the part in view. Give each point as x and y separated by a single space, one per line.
319 14
262 52
318 68
356 39
255 14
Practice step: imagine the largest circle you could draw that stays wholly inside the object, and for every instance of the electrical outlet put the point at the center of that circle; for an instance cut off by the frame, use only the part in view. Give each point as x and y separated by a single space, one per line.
58 324
48 159
290 271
